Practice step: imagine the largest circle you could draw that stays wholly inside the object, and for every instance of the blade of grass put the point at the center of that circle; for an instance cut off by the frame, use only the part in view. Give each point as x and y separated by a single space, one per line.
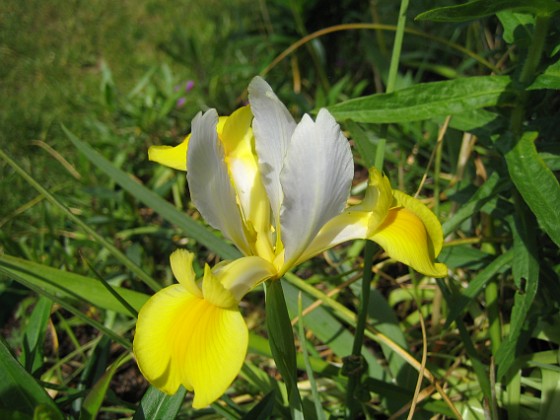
193 228
308 369
141 274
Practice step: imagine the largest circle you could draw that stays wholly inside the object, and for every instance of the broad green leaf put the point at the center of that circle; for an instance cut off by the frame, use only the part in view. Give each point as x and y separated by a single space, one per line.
535 182
549 79
481 8
364 143
96 394
516 27
70 285
425 101
156 405
281 338
191 227
19 391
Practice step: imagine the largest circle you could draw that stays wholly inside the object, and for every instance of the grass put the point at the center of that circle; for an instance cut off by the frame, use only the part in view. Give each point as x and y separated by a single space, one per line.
112 73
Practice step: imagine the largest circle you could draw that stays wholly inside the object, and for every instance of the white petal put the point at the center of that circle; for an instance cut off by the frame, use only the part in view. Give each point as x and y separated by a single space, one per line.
273 127
209 183
316 181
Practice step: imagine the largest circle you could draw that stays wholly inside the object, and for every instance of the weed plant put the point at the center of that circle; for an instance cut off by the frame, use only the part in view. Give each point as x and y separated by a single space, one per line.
460 104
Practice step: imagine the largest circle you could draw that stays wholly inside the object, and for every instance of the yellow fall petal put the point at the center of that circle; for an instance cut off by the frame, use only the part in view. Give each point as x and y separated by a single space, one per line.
429 219
174 157
182 339
405 238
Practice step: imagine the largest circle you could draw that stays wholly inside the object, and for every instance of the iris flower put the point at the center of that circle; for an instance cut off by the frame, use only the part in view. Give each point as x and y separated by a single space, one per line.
278 190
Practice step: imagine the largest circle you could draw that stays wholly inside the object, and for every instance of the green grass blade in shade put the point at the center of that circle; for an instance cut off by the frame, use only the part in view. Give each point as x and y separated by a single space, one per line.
70 286
536 183
84 226
156 405
281 338
525 268
166 210
425 101
20 392
486 192
263 410
87 320
512 397
34 334
550 401
460 302
481 8
94 399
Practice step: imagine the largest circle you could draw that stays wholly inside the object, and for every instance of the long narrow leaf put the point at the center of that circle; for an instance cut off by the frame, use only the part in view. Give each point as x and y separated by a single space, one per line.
70 286
20 392
194 229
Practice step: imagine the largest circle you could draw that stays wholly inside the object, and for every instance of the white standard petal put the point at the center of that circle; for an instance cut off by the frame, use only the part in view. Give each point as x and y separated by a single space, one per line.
209 183
316 180
273 127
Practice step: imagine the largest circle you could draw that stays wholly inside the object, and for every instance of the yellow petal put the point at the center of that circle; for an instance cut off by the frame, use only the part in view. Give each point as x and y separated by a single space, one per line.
174 157
182 339
238 140
404 237
215 293
181 265
243 274
429 219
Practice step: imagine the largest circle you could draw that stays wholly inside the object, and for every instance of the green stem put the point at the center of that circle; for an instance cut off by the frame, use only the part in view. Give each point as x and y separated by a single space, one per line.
397 47
535 51
528 73
281 339
354 376
356 359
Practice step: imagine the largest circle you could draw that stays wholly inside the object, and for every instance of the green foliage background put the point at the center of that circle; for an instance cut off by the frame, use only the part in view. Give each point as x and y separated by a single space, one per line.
87 224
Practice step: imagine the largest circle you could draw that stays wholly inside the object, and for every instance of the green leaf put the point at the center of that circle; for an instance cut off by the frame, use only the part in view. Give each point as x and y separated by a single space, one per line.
460 302
536 183
263 410
94 399
425 101
156 405
549 79
281 338
481 8
191 227
19 391
364 143
308 368
525 270
486 192
32 347
70 286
